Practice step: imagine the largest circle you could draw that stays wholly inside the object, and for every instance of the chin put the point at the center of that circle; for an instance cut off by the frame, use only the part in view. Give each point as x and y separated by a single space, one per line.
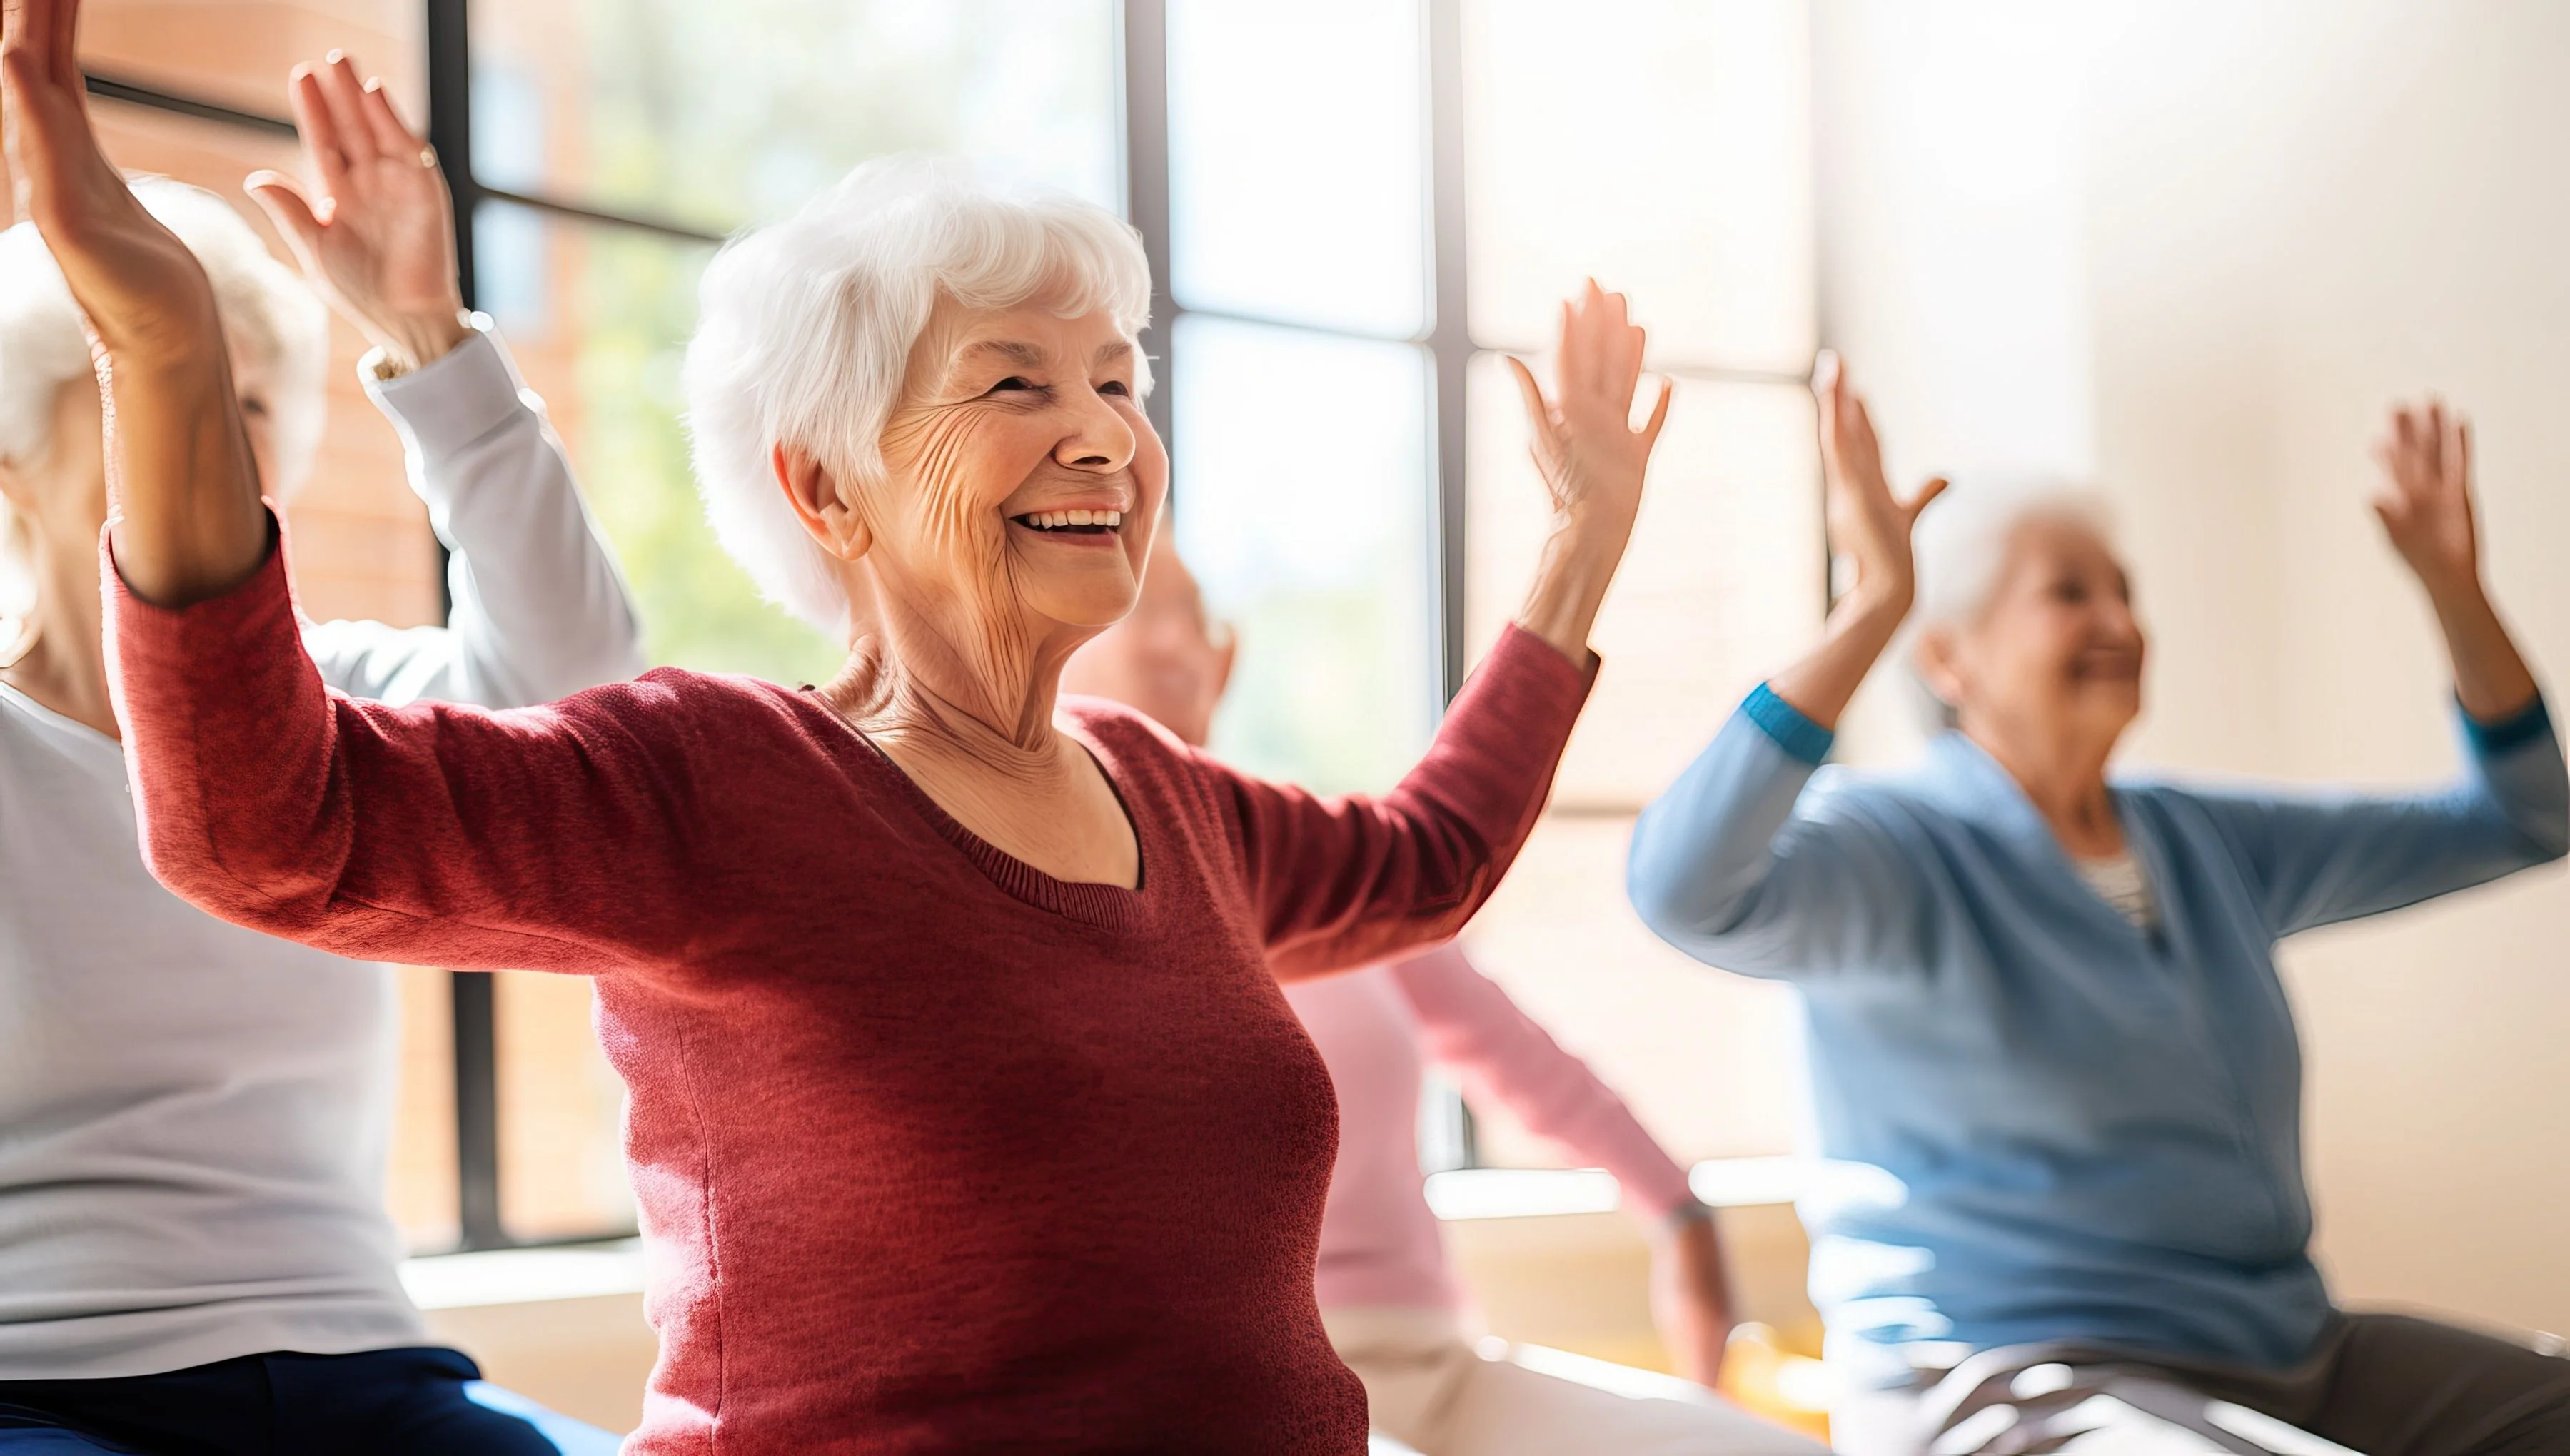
1097 606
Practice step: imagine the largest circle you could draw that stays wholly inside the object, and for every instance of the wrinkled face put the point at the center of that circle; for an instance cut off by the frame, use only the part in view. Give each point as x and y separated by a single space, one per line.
1162 660
2056 655
66 493
1023 481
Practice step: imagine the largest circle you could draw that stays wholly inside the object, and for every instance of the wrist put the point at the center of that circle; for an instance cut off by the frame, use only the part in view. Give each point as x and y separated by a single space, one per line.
414 340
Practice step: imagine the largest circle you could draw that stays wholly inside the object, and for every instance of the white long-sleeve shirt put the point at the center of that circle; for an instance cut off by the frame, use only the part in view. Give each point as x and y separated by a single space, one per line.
193 1115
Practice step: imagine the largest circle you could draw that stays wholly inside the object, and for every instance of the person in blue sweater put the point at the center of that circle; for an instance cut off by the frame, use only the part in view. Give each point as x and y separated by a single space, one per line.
2056 1083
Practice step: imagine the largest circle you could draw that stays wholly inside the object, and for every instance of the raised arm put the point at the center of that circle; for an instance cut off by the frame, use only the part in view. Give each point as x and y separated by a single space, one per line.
2319 858
540 839
1340 882
183 502
539 609
1731 865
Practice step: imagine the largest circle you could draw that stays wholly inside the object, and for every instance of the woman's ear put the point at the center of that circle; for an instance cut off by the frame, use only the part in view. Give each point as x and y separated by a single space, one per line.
825 511
1939 666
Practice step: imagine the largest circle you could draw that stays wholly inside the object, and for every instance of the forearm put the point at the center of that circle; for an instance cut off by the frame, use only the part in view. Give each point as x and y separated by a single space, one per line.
1824 683
541 610
188 525
1571 581
2491 679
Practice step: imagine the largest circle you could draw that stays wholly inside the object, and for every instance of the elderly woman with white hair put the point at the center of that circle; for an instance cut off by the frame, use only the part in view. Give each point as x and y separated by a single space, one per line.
2055 1073
963 1110
193 1116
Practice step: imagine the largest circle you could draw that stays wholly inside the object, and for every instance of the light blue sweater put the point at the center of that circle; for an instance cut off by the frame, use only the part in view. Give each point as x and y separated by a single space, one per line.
2046 1125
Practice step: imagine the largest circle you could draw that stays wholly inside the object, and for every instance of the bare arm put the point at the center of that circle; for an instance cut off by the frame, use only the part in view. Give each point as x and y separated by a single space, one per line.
2425 505
1866 523
187 521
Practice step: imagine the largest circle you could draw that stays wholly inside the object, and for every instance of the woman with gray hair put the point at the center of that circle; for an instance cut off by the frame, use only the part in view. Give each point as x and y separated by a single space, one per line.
193 1116
2055 1075
965 1112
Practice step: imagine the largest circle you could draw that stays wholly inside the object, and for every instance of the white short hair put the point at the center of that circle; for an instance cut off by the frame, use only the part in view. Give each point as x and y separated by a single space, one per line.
806 328
267 313
1961 542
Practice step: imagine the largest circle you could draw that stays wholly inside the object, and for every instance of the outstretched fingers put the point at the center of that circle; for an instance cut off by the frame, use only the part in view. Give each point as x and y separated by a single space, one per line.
1539 410
392 138
320 131
347 98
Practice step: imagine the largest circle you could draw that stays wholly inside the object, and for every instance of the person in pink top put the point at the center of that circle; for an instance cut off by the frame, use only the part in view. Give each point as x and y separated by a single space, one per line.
1389 1297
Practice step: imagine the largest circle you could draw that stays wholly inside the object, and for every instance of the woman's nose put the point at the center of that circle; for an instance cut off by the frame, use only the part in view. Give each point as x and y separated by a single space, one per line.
1099 439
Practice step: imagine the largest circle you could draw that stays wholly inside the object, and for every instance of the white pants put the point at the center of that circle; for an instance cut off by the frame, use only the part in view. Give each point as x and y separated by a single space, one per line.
1429 1388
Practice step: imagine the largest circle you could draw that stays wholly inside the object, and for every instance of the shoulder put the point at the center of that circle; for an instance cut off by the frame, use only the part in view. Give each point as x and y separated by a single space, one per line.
1134 741
1148 762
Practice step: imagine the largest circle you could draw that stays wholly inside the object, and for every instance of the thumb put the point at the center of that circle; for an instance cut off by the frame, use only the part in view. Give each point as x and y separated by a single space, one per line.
285 205
1927 493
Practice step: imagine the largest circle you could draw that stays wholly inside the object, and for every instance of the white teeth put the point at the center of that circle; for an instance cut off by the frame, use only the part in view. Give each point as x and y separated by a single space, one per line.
1057 520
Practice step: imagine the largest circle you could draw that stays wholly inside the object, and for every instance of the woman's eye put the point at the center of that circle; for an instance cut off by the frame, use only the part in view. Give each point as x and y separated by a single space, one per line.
1114 387
1013 382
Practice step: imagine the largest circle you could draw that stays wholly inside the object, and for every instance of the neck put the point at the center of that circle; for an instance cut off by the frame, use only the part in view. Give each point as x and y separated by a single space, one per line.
2064 781
61 661
942 693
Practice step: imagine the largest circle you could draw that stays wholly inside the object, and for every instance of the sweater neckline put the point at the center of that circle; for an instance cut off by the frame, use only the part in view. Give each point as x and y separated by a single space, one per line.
1107 907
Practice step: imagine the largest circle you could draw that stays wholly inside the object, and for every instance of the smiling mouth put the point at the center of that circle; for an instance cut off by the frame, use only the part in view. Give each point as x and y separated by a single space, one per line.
1071 523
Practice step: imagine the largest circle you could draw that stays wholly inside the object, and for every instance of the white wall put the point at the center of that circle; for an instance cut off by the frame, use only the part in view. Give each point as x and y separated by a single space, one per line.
2196 247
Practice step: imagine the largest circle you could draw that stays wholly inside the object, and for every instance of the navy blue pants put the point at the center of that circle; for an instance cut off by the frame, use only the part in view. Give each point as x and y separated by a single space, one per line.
407 1403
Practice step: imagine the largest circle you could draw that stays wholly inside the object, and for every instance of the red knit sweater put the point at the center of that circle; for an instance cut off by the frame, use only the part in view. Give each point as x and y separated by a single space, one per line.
933 1150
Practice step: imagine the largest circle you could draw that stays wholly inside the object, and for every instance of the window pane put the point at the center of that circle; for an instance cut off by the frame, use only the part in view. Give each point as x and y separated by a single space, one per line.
562 1112
1297 163
723 114
1723 583
239 55
1302 498
419 1174
1661 146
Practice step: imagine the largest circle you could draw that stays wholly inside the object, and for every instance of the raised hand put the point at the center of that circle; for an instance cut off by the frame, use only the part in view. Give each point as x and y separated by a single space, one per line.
144 292
2425 502
1593 459
1867 525
1585 445
376 233
183 485
2425 505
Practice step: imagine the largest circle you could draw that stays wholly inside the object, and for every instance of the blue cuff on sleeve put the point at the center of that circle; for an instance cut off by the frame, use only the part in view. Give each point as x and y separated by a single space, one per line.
1785 723
2518 729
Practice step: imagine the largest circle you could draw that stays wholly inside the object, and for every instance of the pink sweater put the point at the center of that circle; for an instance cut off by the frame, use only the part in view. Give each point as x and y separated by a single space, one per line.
1380 1246
934 1151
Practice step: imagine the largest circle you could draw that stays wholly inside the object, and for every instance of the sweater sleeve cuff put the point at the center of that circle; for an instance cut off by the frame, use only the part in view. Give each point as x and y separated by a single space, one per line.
1785 723
449 404
1544 663
2518 729
177 638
